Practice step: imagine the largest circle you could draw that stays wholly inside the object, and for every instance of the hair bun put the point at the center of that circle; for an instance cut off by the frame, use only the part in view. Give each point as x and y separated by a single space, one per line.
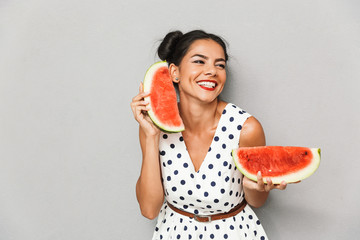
168 45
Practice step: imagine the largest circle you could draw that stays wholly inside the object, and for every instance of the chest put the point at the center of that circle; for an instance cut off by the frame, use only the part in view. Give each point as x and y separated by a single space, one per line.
198 146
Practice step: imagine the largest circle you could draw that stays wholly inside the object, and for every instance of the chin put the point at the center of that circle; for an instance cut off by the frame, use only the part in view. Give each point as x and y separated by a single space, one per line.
209 100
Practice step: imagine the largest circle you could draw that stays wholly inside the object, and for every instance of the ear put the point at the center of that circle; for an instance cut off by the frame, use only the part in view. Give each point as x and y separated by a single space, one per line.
174 73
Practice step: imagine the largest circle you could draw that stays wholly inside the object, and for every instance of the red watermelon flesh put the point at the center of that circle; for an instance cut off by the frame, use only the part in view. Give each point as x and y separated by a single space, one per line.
163 100
289 164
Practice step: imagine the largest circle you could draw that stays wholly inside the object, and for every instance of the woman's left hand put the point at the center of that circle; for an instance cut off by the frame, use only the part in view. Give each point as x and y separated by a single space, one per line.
261 186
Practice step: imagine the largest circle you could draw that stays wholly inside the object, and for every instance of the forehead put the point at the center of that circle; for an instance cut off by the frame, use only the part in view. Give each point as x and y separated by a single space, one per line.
206 47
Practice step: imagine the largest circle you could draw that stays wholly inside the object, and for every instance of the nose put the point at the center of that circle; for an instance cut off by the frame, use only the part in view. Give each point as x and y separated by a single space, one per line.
210 70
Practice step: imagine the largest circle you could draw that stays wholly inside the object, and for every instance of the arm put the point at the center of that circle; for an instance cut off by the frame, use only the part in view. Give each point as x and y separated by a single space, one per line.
149 189
253 135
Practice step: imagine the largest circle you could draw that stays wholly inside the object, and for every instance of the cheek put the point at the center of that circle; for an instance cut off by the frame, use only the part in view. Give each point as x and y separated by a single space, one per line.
190 71
194 72
223 76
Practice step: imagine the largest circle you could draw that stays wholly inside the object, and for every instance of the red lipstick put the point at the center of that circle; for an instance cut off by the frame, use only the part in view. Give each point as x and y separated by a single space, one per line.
208 85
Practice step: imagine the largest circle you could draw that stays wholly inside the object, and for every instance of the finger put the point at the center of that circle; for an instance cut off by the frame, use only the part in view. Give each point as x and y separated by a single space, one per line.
140 96
259 178
140 111
141 87
143 108
260 181
142 103
143 119
269 185
137 97
282 185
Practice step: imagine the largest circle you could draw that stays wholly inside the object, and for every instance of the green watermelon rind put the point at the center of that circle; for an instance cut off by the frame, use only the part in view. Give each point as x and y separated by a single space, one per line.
288 178
147 86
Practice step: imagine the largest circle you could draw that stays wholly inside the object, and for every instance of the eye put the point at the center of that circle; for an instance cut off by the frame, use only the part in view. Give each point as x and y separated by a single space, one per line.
199 61
222 66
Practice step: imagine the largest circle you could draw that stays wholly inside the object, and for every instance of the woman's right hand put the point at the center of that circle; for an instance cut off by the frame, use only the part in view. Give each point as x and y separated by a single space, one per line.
149 188
140 107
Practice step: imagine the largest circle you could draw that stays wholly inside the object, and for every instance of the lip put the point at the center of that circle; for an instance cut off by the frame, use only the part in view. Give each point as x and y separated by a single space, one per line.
207 88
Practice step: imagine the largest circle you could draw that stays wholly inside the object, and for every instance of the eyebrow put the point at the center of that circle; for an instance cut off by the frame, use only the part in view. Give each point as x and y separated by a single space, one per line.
205 57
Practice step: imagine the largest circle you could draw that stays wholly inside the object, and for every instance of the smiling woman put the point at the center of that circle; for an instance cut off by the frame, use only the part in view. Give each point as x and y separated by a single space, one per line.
202 74
193 170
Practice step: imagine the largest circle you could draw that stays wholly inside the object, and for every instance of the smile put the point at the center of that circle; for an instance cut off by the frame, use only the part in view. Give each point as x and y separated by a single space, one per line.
207 84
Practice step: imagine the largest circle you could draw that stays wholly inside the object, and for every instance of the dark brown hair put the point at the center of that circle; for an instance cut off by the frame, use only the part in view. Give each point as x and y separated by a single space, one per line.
176 44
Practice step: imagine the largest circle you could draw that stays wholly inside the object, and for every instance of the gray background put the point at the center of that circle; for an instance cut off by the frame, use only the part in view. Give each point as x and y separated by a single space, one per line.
69 152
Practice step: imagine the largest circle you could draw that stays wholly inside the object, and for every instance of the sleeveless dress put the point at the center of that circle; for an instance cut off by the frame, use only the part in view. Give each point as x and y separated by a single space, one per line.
215 188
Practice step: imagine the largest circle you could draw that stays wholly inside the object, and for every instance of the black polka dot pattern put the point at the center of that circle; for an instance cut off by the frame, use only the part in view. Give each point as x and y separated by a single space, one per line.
214 188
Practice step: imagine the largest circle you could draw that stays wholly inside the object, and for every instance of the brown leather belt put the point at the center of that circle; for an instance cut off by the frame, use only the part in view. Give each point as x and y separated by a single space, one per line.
209 218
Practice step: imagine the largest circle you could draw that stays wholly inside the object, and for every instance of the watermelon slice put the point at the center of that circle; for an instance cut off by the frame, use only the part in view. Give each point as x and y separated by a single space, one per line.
163 101
289 164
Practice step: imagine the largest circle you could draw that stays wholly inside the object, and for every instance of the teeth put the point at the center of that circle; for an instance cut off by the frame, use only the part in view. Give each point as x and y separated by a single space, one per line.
207 84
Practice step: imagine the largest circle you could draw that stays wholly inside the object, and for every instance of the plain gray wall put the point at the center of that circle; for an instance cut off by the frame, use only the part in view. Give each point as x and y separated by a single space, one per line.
69 152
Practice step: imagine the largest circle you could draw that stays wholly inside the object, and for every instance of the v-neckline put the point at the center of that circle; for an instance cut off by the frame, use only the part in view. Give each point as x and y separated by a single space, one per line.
211 144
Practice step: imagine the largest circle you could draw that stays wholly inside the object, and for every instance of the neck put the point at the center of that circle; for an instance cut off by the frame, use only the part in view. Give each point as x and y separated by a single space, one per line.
199 116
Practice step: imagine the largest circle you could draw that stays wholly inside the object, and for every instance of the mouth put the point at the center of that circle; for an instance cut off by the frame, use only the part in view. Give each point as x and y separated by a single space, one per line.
208 85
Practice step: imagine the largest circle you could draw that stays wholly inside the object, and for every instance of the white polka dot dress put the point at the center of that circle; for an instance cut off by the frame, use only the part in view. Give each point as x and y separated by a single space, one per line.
215 188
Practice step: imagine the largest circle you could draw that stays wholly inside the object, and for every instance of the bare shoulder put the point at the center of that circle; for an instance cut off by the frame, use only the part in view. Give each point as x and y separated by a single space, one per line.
221 106
252 134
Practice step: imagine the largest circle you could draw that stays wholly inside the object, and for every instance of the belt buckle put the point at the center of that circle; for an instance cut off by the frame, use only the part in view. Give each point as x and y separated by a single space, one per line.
196 218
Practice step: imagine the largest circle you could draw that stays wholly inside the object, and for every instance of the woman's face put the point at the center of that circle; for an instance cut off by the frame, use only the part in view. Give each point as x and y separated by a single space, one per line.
201 72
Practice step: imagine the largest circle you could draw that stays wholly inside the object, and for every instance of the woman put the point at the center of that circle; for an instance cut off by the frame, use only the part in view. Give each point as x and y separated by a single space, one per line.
206 197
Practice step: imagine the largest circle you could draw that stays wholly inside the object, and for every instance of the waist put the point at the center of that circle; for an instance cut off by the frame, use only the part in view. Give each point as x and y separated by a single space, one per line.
208 218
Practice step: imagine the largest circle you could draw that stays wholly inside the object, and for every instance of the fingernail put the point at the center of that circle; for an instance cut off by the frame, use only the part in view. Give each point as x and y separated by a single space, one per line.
259 174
